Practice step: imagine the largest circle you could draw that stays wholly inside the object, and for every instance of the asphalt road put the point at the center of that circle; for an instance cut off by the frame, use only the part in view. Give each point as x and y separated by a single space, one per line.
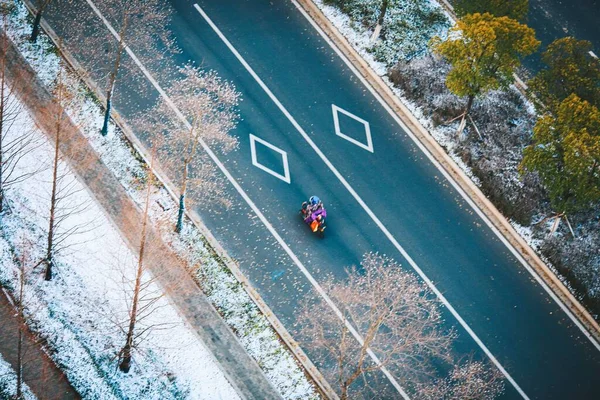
533 339
554 19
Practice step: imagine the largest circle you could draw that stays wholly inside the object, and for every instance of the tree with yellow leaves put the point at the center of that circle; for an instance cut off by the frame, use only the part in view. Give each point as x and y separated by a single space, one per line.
484 51
570 68
566 155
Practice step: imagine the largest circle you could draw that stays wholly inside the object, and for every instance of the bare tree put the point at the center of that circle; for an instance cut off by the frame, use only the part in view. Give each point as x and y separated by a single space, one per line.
209 105
144 299
20 306
64 185
15 330
396 315
470 380
15 141
142 25
125 363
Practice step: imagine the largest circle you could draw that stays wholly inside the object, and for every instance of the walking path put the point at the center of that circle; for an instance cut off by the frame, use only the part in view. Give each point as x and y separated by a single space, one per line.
241 370
42 376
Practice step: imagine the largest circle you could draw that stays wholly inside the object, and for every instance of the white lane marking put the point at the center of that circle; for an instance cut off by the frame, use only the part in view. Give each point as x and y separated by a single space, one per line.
250 203
364 206
336 121
449 178
286 169
349 326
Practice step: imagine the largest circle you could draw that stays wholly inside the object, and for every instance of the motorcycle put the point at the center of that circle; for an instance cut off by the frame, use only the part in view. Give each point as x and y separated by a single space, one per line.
315 220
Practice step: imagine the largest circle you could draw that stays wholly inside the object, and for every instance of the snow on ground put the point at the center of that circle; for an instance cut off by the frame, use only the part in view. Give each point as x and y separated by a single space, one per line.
8 383
409 25
228 296
76 312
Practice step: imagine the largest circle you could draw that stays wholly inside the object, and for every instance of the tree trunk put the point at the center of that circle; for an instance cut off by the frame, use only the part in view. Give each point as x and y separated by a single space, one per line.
35 30
125 364
379 25
53 200
113 76
2 112
179 225
20 333
190 150
20 365
382 11
2 140
104 129
344 394
469 105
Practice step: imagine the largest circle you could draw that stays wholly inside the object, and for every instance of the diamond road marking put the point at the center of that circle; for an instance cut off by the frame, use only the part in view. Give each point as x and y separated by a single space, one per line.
286 168
336 121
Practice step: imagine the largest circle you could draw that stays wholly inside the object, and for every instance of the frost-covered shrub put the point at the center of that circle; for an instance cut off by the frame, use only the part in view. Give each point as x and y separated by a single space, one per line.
504 120
406 30
505 123
578 259
422 81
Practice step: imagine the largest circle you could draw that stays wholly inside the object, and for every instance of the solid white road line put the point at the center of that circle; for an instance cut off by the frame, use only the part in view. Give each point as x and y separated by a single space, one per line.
253 206
449 178
362 203
356 335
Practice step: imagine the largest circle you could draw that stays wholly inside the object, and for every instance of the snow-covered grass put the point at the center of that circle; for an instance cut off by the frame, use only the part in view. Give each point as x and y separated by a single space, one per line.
8 383
408 26
80 313
505 119
226 293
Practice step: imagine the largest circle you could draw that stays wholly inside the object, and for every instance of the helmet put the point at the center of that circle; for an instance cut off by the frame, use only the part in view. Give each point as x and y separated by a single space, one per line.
314 200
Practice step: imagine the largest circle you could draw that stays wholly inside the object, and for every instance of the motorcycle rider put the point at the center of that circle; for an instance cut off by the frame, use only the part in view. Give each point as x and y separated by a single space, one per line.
315 210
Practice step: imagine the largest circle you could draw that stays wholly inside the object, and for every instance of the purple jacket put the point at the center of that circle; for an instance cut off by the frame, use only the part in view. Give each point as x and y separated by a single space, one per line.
321 211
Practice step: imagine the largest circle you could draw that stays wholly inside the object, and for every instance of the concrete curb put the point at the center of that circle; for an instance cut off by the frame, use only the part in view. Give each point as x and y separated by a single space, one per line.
310 369
499 222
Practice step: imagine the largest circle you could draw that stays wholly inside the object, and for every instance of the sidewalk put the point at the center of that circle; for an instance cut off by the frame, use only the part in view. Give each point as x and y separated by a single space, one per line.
242 372
42 376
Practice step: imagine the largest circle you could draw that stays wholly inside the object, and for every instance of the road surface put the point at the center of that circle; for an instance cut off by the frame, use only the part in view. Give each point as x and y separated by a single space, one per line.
554 19
381 191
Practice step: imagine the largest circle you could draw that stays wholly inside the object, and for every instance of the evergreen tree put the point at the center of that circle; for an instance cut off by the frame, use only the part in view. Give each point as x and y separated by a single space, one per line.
570 68
566 154
484 51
